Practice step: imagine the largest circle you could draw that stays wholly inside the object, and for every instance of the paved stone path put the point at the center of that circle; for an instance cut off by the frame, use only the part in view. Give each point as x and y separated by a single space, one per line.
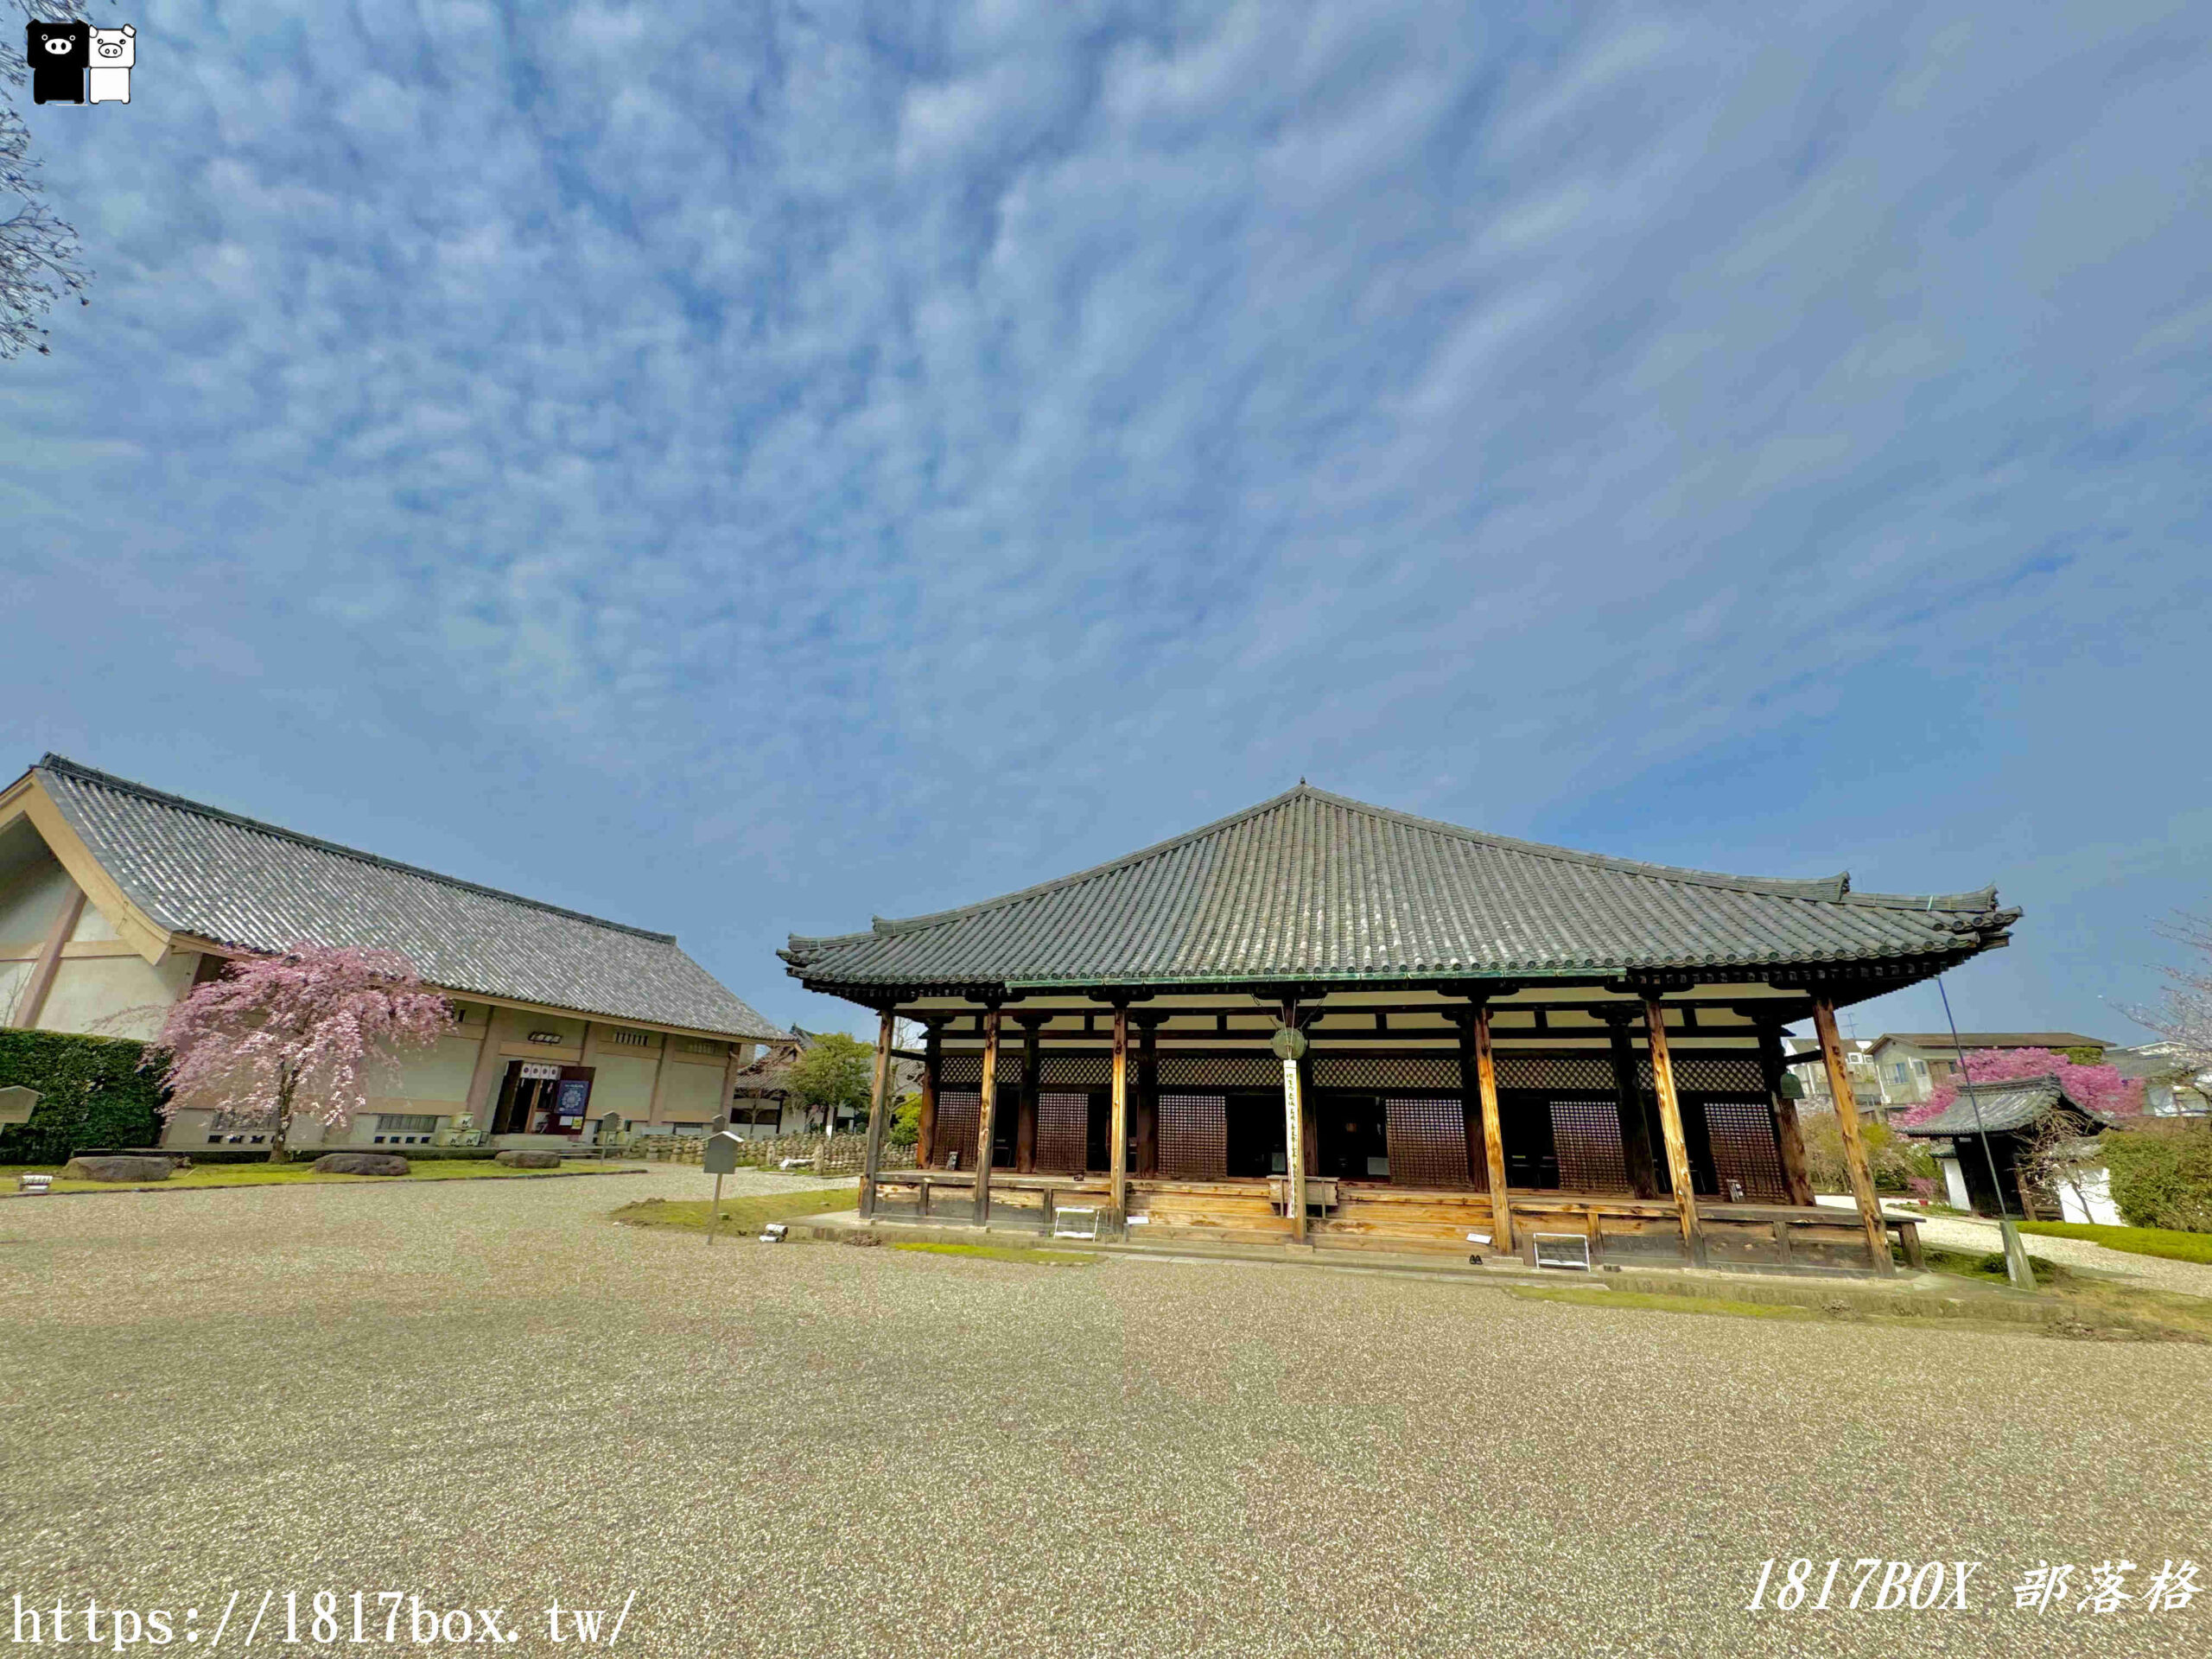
483 1393
2154 1272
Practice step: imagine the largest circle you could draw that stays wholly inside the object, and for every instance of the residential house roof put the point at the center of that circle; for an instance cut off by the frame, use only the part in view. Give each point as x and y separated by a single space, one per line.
198 870
1318 887
1972 1040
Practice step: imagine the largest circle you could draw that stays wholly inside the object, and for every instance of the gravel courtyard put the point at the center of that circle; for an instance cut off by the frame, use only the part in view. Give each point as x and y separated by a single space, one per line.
485 1393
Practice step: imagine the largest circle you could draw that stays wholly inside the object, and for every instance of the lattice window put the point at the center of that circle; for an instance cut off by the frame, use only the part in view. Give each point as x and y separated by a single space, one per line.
1728 1074
1220 1071
1193 1137
1427 1138
1570 1074
1742 1136
1381 1071
1095 1071
959 1113
1063 1130
1587 1135
967 1066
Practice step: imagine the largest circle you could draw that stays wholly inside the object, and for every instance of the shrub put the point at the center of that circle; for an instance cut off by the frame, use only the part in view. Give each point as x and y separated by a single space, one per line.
1894 1160
2162 1175
906 1128
95 1094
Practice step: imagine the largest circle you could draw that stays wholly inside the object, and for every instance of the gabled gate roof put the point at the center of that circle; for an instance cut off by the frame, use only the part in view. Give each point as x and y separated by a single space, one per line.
1312 886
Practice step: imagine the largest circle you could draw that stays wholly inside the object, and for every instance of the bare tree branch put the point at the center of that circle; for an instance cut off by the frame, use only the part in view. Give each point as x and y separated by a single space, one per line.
38 249
2184 1013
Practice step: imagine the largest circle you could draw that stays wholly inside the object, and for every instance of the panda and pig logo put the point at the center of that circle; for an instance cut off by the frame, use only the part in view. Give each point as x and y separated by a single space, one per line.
71 62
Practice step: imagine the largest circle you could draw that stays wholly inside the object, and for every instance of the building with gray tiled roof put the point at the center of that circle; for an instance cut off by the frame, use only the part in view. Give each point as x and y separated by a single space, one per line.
115 898
1478 1013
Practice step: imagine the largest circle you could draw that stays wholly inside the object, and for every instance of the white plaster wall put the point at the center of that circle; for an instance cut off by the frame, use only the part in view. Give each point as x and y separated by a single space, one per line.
1955 1184
439 1074
92 924
2089 1199
12 976
121 996
31 898
623 1084
691 1094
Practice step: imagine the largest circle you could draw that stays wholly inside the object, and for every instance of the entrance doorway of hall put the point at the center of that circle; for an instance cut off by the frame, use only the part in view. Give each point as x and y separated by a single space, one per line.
539 1097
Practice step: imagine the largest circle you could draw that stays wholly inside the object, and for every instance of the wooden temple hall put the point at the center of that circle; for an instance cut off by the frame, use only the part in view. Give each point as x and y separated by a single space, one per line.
1325 1024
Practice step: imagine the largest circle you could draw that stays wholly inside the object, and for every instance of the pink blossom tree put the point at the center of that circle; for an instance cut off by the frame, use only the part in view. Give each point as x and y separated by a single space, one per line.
295 1031
2099 1087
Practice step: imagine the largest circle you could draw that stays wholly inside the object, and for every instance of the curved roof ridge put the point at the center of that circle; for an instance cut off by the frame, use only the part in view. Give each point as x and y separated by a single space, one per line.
1817 889
62 764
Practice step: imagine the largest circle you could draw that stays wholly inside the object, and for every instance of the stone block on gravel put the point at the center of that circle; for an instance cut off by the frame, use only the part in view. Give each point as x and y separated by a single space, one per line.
360 1163
528 1158
118 1168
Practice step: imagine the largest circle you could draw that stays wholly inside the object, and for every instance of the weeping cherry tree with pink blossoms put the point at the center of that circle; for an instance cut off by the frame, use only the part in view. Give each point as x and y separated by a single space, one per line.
297 1031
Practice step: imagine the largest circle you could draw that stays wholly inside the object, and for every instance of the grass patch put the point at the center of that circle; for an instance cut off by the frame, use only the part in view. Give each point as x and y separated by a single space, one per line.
1593 1297
293 1174
1008 1253
1988 1267
2164 1242
744 1215
2092 1303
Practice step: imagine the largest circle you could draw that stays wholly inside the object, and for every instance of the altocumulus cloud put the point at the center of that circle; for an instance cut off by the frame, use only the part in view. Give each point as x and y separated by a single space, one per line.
910 450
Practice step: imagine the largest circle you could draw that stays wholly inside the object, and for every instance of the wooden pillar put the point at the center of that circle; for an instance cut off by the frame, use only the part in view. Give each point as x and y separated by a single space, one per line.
1471 1101
1500 1209
1148 1094
1118 1129
987 1114
30 1002
1788 1135
1294 1133
1637 1161
1309 1120
878 1110
1854 1143
926 1139
1670 1128
1025 1125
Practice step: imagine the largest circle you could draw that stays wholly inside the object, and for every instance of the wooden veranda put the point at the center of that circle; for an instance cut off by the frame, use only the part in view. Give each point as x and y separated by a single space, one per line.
1320 1023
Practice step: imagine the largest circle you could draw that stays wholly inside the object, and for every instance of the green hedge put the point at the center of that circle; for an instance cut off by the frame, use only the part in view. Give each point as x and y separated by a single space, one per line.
95 1094
2162 1175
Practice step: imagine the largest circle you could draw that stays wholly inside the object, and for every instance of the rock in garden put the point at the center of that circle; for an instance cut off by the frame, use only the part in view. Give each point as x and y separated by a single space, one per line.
118 1168
528 1158
360 1163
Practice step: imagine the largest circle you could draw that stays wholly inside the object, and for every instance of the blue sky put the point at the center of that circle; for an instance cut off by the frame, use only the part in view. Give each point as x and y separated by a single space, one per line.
743 469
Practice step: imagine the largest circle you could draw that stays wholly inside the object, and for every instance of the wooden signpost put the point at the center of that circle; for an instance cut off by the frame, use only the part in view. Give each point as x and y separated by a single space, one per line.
718 1158
16 1104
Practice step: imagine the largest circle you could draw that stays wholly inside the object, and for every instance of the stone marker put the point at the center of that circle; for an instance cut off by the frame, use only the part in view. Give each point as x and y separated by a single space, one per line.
360 1163
528 1158
117 1169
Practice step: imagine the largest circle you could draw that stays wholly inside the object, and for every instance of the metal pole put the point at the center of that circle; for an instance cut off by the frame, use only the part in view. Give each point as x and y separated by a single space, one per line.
2008 1231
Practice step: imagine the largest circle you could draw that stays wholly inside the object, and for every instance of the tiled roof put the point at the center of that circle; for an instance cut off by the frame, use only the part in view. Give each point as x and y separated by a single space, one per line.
1311 885
1992 1039
2013 1103
195 869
